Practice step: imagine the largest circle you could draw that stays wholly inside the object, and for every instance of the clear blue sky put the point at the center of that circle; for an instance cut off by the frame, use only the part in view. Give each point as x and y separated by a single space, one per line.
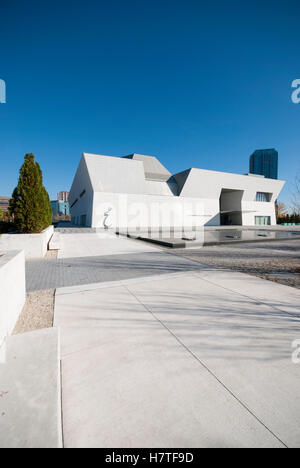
197 83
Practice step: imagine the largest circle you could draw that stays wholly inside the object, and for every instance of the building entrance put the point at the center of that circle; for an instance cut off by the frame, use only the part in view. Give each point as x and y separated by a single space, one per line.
231 207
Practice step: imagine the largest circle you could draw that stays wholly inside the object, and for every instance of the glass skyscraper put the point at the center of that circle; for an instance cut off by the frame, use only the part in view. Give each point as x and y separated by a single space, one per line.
264 162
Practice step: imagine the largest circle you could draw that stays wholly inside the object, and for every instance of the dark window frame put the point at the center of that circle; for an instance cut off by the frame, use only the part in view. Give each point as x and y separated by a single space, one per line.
73 204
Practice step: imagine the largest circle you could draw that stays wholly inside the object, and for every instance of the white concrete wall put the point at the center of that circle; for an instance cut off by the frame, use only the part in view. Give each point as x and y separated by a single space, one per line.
111 174
107 179
252 209
84 203
197 212
202 183
12 290
34 245
147 211
84 207
232 200
209 184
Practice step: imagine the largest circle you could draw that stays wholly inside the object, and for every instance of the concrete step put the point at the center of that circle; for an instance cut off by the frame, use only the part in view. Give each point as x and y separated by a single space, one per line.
30 391
54 243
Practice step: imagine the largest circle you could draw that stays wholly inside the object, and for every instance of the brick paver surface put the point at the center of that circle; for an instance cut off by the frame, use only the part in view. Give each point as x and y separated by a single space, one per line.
277 261
51 274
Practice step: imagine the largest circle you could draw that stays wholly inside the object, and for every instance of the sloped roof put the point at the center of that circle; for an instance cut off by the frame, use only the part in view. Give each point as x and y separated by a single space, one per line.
114 174
203 183
154 170
145 175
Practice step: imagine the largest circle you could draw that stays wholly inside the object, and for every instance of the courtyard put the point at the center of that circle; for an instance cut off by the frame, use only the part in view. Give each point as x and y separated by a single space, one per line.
155 347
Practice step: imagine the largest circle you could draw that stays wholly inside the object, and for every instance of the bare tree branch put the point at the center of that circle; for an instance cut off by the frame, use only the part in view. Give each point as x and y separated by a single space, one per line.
296 195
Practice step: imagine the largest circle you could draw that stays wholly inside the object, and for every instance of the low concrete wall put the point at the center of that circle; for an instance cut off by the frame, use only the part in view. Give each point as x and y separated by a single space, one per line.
34 245
54 243
12 290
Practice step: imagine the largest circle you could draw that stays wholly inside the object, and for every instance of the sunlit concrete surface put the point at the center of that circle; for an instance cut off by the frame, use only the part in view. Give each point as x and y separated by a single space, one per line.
12 290
99 244
30 391
195 359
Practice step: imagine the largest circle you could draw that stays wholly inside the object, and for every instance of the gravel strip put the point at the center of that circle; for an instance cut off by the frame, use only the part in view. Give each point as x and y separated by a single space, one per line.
37 313
274 261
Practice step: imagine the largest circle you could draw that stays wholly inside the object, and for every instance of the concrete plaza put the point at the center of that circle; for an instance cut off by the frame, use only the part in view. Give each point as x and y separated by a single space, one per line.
152 349
195 357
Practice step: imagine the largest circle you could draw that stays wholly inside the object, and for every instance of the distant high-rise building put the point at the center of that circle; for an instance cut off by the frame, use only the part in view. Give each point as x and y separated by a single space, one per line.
4 203
63 197
264 162
60 208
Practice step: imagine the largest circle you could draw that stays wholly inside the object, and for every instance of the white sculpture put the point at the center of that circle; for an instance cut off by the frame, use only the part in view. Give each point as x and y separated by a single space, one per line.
106 216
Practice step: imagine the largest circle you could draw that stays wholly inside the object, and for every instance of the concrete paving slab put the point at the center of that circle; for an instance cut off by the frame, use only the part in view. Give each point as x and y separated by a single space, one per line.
246 344
150 393
278 296
30 402
130 378
98 244
81 288
97 317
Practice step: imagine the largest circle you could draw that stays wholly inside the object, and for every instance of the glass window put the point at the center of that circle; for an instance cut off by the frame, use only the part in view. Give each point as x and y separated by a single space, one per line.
263 197
262 220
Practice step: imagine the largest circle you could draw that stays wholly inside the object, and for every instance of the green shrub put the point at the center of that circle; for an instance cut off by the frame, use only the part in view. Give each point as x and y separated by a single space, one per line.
289 218
30 204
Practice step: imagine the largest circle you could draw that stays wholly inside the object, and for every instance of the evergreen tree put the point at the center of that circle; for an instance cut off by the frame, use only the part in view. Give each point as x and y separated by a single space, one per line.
30 204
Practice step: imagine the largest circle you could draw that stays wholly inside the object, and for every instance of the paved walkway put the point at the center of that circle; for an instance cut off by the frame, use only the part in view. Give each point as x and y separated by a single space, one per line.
93 244
199 359
59 273
159 350
92 258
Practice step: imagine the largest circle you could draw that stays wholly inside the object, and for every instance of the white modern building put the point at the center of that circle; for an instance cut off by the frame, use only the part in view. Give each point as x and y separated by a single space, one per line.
137 191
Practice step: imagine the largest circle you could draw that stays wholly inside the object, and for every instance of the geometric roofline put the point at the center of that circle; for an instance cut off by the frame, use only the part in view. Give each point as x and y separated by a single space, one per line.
153 168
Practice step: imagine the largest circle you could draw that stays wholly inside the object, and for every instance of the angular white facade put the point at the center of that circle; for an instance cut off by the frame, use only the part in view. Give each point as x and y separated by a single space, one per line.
138 192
